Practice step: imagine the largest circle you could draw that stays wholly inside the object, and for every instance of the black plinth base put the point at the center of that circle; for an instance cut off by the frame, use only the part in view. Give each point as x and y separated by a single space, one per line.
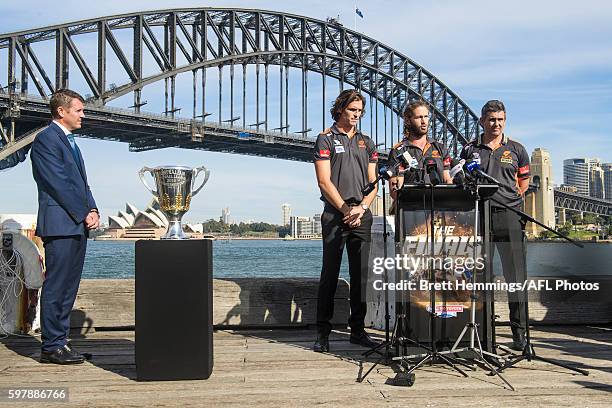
174 327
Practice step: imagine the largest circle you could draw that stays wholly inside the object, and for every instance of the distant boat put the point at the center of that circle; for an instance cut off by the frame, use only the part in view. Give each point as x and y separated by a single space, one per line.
288 238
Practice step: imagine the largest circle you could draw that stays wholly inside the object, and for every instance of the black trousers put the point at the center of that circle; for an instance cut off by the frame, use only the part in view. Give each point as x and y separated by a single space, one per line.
337 235
509 238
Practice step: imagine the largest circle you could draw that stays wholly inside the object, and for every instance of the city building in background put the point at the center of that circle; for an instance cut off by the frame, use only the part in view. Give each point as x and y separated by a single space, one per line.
586 174
286 214
576 173
317 228
225 213
541 203
596 181
302 227
607 169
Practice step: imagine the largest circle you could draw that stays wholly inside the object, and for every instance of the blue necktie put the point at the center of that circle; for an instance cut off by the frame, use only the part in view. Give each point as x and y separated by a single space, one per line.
70 137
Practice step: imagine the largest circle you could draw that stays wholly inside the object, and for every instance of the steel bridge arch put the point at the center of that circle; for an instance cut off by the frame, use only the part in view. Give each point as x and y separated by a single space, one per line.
209 37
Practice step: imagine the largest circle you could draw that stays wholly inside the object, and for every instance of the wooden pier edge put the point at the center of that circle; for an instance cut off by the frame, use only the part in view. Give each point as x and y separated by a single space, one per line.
291 302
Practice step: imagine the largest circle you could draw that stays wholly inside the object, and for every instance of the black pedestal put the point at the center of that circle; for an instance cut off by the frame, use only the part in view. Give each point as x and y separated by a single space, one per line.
174 328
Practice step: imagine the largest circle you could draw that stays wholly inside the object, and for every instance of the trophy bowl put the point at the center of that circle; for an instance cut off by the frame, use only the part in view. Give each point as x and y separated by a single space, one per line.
174 190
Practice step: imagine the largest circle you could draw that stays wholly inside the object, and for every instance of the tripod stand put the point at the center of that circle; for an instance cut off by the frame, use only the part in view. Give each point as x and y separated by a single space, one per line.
472 326
386 354
529 351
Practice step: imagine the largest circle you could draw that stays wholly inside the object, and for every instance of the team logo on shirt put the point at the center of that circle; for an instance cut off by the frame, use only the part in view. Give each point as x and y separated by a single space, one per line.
361 144
435 154
523 170
447 162
337 142
506 157
324 153
374 156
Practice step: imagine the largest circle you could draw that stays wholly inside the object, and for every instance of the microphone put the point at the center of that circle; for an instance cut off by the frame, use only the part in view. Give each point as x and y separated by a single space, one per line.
456 172
476 158
473 168
383 174
432 170
411 162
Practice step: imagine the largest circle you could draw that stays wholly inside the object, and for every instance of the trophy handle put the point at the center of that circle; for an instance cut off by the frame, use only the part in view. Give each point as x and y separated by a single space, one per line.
141 174
197 171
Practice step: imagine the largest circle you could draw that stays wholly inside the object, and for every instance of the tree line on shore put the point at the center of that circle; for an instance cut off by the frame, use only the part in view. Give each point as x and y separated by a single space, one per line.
213 226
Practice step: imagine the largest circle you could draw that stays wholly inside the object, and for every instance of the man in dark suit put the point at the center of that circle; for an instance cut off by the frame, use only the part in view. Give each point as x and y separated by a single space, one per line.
66 213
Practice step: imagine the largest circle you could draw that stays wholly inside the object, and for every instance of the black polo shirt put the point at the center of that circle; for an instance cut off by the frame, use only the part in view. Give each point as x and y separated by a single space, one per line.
349 161
506 163
432 150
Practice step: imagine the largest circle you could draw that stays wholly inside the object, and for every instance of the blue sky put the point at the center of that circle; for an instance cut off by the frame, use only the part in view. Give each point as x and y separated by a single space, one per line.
549 61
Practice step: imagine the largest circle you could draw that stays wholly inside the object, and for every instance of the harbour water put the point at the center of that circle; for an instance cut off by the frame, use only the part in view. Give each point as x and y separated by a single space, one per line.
302 258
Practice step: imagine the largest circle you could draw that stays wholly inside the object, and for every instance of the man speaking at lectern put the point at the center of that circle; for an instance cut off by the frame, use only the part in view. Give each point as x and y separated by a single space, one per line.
345 162
66 213
423 151
507 161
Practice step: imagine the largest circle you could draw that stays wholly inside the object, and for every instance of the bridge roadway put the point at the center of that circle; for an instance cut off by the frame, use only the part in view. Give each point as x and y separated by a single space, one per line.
145 131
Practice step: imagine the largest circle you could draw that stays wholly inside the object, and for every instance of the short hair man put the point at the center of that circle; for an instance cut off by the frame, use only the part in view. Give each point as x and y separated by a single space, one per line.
67 212
345 162
421 148
507 161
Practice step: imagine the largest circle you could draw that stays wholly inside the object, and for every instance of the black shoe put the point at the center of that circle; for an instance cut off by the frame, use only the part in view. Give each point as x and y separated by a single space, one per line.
363 338
61 355
519 342
86 356
321 345
70 350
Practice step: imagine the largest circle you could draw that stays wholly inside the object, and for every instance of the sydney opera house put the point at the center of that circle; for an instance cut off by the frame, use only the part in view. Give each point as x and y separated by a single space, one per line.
134 224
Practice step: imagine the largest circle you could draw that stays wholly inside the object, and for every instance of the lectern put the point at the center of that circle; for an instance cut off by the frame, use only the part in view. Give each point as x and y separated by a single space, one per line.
445 236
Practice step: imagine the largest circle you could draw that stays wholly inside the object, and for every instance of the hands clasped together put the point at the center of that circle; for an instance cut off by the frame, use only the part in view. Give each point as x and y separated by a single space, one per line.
92 221
352 217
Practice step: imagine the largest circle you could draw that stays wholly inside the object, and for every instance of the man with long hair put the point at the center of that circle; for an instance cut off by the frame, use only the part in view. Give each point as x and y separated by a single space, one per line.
345 162
423 150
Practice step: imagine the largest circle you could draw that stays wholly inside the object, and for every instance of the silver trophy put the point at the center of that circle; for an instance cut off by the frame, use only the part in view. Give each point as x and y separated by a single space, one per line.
175 187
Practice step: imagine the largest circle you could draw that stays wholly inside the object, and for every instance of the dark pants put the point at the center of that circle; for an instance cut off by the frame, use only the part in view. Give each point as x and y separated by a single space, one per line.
64 258
507 233
336 234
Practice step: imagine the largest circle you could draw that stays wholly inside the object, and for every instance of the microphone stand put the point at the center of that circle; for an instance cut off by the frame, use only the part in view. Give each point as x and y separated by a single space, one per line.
477 352
402 378
386 355
529 352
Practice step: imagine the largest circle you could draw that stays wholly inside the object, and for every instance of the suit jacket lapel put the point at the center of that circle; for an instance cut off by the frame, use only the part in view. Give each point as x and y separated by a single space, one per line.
79 163
61 135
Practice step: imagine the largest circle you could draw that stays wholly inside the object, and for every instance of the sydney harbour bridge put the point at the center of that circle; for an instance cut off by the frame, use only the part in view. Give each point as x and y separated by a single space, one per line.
229 80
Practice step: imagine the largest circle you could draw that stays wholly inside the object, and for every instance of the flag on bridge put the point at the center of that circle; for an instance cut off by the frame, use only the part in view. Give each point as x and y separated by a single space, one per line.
358 12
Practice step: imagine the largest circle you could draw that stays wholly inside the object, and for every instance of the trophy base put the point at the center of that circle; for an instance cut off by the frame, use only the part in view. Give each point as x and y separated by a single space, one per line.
175 231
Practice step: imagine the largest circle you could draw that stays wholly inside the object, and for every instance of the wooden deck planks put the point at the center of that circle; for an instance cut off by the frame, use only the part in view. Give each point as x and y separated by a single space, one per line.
263 368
